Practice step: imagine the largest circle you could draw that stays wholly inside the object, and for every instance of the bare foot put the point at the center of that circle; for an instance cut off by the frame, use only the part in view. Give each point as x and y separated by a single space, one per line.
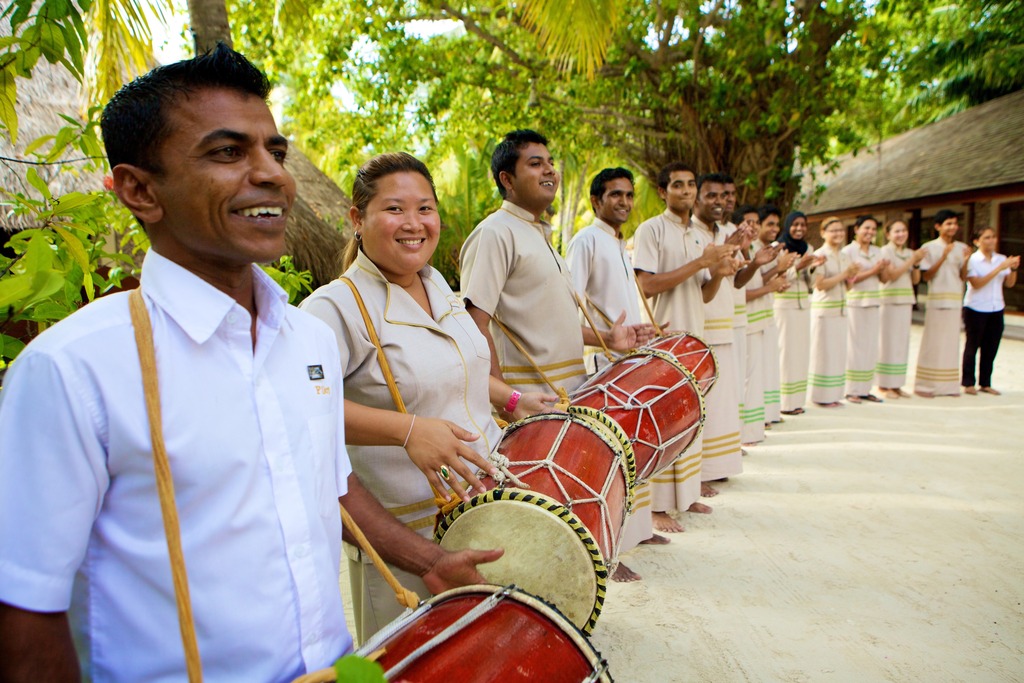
924 394
903 394
971 390
662 521
990 390
656 539
699 508
624 574
708 491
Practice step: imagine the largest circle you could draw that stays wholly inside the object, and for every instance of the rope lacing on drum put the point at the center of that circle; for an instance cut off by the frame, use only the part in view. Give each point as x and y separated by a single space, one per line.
504 476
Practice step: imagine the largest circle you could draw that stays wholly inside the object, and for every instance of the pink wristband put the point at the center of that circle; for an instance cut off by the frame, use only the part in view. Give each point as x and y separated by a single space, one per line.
513 401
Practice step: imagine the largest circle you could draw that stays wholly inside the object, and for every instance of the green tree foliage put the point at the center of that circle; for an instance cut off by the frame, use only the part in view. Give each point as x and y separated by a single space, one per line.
737 86
923 61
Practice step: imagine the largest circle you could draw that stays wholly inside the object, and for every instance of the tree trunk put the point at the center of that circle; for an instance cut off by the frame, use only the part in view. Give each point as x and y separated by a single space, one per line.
318 224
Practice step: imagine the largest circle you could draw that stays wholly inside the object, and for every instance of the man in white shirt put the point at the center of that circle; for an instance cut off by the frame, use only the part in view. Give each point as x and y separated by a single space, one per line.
251 416
602 273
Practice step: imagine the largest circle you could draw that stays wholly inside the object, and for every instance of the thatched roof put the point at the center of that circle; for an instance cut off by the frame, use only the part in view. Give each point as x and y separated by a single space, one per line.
316 227
976 149
51 91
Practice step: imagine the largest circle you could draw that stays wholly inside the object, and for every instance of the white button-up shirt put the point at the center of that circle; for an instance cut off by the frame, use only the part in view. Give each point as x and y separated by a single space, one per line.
987 299
255 443
602 274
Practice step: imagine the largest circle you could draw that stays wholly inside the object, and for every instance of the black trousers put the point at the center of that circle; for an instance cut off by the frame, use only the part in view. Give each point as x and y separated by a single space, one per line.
984 331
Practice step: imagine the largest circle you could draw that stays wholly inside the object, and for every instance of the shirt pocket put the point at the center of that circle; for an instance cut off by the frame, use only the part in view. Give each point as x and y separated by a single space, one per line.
468 336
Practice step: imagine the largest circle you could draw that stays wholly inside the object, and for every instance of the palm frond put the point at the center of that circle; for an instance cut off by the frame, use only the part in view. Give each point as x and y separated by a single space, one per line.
120 45
574 33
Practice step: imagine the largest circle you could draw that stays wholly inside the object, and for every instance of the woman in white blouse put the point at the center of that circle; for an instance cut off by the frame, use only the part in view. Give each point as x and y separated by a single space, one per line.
987 274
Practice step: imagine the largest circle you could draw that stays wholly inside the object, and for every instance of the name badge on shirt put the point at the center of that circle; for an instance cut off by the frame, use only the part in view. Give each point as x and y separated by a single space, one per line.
316 372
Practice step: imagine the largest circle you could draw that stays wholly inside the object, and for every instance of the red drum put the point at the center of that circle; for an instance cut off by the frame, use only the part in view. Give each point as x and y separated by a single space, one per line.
655 400
485 634
558 512
694 354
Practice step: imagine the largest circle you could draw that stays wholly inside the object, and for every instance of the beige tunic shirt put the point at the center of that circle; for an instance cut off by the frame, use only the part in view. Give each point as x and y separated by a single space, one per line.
719 312
798 295
441 364
602 274
663 244
511 272
830 303
900 290
759 310
946 289
739 294
867 292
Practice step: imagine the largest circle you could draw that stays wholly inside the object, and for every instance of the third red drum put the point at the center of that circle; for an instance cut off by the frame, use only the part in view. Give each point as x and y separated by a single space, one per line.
694 354
656 401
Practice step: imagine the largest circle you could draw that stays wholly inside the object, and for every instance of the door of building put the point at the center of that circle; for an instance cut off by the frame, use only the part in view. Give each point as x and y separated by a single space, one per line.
1011 242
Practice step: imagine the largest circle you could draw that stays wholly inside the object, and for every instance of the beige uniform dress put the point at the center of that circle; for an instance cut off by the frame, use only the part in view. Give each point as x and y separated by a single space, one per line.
739 342
793 318
602 273
862 304
828 330
897 309
511 272
769 358
721 456
660 245
759 312
441 364
938 361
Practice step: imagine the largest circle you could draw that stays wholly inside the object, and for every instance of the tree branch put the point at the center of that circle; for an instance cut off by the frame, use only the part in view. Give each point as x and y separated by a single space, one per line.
477 30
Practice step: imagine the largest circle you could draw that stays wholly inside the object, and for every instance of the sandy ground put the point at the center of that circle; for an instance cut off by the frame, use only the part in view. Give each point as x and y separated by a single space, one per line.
868 543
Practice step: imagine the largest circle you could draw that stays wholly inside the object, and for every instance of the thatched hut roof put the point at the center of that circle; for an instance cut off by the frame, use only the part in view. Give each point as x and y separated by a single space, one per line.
318 224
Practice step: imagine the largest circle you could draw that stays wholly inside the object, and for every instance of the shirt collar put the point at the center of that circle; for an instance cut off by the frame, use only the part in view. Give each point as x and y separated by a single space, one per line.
673 218
523 214
698 223
199 307
438 301
605 228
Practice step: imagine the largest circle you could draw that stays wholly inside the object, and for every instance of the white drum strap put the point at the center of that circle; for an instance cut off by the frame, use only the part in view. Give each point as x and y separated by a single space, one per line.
449 631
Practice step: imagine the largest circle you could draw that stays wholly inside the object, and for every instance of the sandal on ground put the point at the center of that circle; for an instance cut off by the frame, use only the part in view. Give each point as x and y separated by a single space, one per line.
871 398
795 411
833 404
990 390
924 394
971 390
853 398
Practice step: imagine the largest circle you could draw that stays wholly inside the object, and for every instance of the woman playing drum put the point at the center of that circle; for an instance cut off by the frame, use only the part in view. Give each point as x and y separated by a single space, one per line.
439 360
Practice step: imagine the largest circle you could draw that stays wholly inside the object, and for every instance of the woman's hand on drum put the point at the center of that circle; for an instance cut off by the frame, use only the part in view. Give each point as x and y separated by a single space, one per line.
533 403
438 448
451 570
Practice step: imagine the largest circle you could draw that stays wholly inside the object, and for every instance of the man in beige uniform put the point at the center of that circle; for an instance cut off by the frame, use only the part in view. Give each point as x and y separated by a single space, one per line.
517 287
673 263
602 273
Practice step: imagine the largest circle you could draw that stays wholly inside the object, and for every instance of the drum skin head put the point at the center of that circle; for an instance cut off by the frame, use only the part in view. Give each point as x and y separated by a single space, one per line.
545 552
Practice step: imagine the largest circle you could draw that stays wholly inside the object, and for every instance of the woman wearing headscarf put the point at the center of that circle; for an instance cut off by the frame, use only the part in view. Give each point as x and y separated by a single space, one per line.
793 316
